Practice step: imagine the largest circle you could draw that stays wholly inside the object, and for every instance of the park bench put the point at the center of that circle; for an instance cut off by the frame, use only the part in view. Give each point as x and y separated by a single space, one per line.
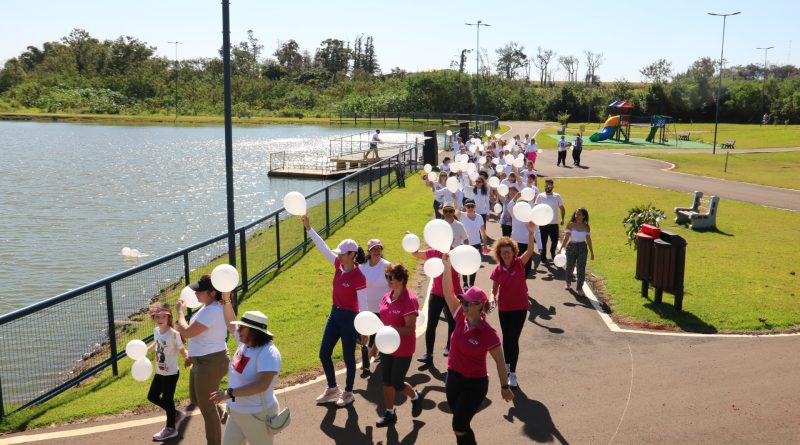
683 136
701 215
246 114
729 144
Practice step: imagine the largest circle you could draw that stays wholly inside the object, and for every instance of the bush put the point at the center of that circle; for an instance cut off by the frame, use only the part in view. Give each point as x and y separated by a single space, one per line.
638 216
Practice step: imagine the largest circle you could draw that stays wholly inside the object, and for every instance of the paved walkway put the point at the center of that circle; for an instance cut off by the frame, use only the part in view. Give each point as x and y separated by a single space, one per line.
617 164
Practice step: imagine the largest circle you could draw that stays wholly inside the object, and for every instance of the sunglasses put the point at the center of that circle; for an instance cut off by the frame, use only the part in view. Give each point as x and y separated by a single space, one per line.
449 211
466 303
389 277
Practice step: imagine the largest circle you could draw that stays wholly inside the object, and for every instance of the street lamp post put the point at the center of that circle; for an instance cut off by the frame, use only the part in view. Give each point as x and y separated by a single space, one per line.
478 64
719 85
226 70
177 72
764 80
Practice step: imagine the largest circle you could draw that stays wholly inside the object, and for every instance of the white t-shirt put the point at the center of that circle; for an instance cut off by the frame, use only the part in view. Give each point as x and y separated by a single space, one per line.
212 339
167 347
375 139
562 145
482 203
473 228
243 369
531 148
459 233
377 287
555 203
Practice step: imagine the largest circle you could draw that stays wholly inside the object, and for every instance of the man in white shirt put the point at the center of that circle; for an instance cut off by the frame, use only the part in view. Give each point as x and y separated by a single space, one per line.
562 152
459 232
550 231
373 144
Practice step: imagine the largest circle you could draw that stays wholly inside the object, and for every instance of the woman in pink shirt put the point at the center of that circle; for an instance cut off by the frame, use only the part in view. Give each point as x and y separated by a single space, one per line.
399 309
473 338
510 292
348 282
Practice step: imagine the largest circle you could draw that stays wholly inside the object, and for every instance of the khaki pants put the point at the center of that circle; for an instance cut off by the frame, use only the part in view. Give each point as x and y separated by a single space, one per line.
207 371
249 428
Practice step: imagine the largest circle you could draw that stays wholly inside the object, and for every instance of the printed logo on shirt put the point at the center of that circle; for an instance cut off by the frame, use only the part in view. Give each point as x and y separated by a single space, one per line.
160 356
345 284
473 341
240 361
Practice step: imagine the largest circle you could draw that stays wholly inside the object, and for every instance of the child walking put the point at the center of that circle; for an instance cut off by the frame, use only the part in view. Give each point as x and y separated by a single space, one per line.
166 342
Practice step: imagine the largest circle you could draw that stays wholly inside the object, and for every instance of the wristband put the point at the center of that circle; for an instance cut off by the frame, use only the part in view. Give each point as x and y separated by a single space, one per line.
229 392
504 387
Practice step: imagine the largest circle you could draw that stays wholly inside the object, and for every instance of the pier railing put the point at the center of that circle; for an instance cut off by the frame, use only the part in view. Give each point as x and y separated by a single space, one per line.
85 330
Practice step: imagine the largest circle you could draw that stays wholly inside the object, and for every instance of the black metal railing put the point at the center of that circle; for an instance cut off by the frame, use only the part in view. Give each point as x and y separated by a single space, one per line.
478 122
85 330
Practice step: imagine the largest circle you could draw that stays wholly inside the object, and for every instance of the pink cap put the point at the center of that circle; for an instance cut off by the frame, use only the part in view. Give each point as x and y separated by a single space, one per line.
373 243
346 246
475 295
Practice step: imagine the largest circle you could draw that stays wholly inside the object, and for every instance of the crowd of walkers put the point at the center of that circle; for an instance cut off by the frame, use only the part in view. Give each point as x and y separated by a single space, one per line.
492 177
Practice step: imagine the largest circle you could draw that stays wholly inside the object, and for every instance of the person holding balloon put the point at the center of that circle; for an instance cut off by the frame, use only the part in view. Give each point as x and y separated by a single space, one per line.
510 292
348 284
577 243
399 309
167 344
476 234
208 352
472 340
370 300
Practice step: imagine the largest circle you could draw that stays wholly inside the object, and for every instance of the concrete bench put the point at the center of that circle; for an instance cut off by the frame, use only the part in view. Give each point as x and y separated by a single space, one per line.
729 144
702 214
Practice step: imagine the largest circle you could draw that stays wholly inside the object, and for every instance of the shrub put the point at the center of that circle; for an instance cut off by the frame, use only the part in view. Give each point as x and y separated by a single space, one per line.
638 216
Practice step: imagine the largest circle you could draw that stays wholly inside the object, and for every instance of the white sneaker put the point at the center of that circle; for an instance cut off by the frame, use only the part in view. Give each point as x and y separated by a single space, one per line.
512 379
330 395
345 399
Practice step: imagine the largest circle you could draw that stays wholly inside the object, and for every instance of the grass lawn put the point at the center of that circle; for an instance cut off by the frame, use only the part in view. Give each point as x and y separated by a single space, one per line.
775 169
297 300
746 135
745 271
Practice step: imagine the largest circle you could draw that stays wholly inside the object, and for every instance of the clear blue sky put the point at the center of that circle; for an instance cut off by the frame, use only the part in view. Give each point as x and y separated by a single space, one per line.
423 35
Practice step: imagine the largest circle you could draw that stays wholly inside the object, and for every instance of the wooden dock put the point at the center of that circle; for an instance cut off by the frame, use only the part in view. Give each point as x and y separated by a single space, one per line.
309 173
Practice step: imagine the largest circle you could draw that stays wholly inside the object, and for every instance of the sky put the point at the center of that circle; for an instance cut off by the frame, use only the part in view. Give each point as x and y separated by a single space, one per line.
425 35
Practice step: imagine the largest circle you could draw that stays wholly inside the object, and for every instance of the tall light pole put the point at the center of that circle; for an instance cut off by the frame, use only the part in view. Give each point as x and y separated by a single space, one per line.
764 80
478 64
719 86
226 81
177 72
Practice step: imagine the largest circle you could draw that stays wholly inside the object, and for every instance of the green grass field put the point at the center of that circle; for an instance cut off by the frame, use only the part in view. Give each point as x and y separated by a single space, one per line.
775 169
745 271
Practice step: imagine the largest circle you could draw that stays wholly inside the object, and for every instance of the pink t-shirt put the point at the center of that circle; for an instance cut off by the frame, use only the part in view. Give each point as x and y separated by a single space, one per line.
394 313
438 287
512 291
468 347
346 286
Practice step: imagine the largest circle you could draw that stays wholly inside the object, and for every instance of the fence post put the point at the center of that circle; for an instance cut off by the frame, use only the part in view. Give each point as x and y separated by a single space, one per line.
278 237
327 212
112 331
344 200
243 258
358 190
2 404
389 173
370 184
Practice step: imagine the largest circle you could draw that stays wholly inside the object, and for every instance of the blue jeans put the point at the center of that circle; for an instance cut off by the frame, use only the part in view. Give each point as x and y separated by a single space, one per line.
339 325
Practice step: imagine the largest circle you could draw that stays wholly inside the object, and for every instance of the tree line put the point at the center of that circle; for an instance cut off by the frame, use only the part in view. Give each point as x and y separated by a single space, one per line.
82 74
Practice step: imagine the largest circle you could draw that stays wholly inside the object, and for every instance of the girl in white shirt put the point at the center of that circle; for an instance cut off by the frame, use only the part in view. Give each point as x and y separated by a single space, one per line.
374 270
167 344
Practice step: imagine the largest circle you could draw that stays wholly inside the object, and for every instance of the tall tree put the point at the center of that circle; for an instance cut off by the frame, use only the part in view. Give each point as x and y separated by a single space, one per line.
90 55
370 59
593 62
570 64
289 56
658 71
542 63
333 56
510 58
358 53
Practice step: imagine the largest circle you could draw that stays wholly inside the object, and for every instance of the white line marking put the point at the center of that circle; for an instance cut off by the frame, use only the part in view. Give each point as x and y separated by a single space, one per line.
628 402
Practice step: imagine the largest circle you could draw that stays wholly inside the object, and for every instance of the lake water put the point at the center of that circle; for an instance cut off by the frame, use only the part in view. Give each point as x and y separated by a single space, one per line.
73 195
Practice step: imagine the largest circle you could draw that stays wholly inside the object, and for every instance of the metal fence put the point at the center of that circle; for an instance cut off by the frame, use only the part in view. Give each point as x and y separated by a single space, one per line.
85 330
452 120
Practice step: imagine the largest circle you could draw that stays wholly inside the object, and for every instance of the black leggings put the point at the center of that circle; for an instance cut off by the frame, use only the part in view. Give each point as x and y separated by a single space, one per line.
435 308
162 393
549 232
395 370
505 229
523 247
511 324
465 395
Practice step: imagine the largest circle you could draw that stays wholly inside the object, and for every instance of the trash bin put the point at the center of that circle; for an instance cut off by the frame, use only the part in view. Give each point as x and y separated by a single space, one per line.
644 257
669 263
430 148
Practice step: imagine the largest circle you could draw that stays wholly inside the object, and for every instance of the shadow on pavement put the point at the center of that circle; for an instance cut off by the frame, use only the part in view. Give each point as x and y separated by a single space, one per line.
543 313
537 423
350 433
392 438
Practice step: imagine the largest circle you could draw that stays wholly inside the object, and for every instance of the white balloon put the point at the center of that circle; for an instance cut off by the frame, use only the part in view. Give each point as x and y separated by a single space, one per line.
433 267
495 161
295 203
498 208
367 323
135 253
224 277
509 159
539 151
488 133
449 132
473 148
518 163
427 168
499 168
560 260
494 181
439 235
190 298
482 160
522 211
387 340
471 168
527 194
141 370
497 136
473 176
410 243
502 189
433 176
126 251
541 214
452 184
466 259
136 349
455 167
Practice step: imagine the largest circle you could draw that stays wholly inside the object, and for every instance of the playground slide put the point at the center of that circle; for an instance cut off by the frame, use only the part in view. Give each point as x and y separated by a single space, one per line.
652 134
608 129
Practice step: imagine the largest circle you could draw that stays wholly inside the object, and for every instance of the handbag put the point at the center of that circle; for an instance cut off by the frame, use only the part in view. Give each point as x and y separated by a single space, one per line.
278 422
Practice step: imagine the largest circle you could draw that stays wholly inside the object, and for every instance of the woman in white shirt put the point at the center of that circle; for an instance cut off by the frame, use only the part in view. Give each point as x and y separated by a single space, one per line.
481 194
208 353
370 300
436 188
474 225
577 243
251 380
